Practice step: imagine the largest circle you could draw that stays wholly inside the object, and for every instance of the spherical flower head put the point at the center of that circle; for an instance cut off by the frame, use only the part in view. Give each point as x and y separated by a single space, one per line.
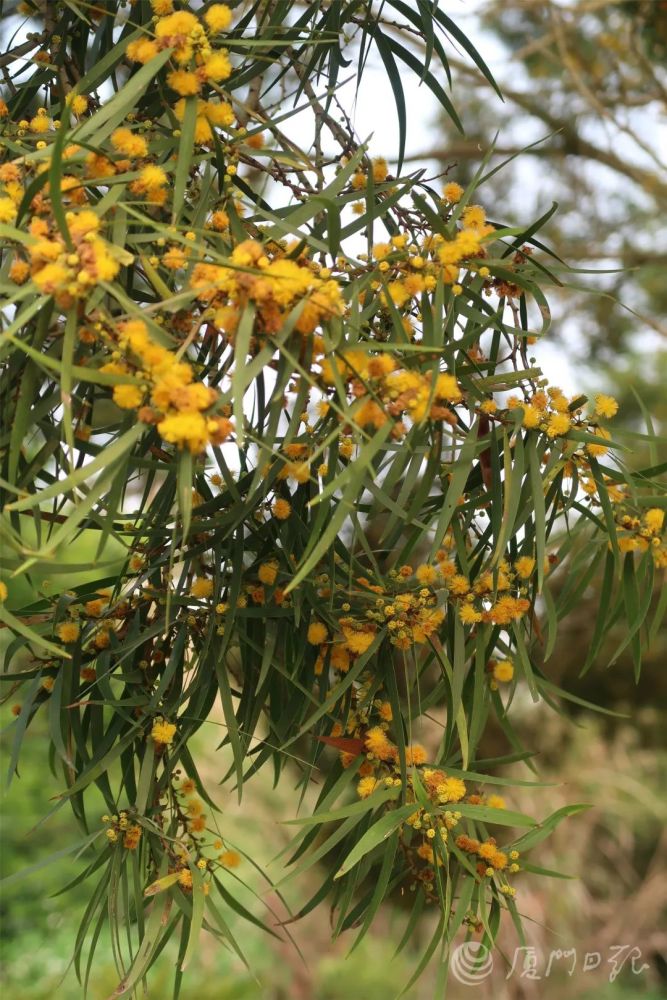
496 802
474 216
163 732
378 743
79 104
128 143
185 83
94 608
68 632
367 786
218 17
654 519
415 754
503 671
186 430
605 406
162 7
451 790
469 615
40 124
317 633
3 591
452 192
358 642
142 50
281 509
201 587
446 387
426 574
559 424
524 566
127 397
153 177
230 859
7 210
217 67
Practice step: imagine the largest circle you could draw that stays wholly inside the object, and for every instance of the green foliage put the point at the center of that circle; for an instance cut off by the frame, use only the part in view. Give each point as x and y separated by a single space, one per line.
260 449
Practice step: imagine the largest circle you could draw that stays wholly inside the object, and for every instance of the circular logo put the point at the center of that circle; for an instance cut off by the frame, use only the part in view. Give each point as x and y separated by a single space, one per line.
471 963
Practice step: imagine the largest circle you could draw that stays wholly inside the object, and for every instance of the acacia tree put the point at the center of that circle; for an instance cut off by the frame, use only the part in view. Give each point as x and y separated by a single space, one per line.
276 442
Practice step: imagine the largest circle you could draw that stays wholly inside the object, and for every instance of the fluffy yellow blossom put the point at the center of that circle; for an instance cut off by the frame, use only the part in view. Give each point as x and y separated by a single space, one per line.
379 744
503 671
452 192
654 519
605 406
317 633
230 859
496 802
7 210
128 143
163 732
451 790
68 632
3 591
524 566
218 17
559 424
281 509
201 587
218 67
367 786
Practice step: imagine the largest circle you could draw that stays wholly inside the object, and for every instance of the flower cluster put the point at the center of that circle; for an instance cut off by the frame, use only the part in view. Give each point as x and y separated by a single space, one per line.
164 391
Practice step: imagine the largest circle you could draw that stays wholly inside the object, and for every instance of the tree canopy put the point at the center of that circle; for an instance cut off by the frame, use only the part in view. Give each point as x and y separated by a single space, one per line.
278 444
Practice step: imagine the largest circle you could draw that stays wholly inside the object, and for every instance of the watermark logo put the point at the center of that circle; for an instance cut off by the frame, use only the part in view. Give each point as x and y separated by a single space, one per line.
471 963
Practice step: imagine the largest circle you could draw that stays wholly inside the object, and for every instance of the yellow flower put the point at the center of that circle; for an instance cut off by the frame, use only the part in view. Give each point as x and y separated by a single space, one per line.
127 397
559 424
367 786
152 177
185 430
605 406
524 566
184 82
654 519
128 143
452 192
218 17
79 104
451 790
7 210
68 632
3 591
230 859
201 587
218 67
281 509
379 744
426 574
503 671
317 633
163 732
496 802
